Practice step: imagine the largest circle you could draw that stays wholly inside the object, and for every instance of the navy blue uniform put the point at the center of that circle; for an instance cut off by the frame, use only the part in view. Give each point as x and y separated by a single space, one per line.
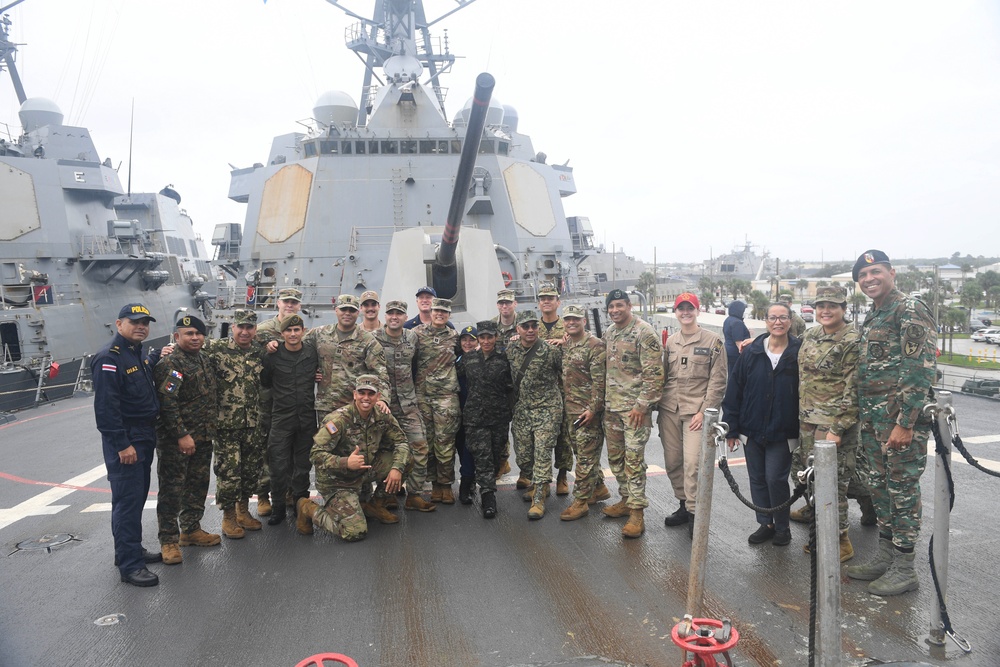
125 406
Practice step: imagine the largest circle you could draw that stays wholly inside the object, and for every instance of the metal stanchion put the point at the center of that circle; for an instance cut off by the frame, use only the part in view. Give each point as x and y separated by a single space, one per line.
942 513
703 510
827 553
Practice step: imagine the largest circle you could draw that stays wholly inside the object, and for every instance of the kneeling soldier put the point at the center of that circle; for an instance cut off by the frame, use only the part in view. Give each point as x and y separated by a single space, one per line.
355 446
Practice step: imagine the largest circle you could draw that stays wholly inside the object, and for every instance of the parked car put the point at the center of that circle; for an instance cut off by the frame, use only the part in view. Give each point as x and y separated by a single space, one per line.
976 325
981 387
993 337
980 336
808 313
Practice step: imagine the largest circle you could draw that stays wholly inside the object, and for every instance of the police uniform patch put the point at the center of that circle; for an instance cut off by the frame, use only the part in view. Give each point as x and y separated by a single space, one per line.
916 331
875 350
331 427
911 348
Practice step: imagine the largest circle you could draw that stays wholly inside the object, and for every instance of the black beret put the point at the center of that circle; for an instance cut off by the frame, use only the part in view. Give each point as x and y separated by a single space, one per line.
868 258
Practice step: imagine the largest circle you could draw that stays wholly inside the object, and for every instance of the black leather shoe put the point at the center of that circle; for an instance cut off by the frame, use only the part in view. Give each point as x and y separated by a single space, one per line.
147 557
761 535
782 538
489 502
141 577
678 518
277 516
465 490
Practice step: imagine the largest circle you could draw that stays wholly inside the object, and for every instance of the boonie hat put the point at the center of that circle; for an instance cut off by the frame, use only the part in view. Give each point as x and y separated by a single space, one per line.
347 301
831 294
396 305
687 297
505 295
487 327
370 295
868 258
244 317
615 295
289 294
469 331
573 310
290 321
427 290
547 289
441 304
526 316
367 382
135 311
190 321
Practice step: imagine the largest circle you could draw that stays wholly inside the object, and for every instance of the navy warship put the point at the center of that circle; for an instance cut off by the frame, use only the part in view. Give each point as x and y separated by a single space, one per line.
74 247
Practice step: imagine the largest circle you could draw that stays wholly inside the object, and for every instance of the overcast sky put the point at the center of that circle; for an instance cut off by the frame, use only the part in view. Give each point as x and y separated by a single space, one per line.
815 130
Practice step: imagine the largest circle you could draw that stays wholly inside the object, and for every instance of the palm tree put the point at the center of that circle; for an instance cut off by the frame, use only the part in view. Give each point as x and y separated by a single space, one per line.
954 318
760 302
858 301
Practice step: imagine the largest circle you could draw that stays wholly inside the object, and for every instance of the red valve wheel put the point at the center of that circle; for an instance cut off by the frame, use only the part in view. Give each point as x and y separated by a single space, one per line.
320 659
704 644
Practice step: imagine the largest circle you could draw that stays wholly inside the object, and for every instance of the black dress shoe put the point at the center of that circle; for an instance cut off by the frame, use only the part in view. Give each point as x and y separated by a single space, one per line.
465 490
277 516
782 537
141 577
761 535
147 557
489 503
678 518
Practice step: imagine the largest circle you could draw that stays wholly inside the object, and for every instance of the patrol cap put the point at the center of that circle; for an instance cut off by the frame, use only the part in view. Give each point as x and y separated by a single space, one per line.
370 295
469 331
290 321
615 295
548 289
441 304
506 295
245 317
367 382
487 327
784 298
831 294
135 311
526 316
190 321
868 258
573 310
687 297
347 301
289 294
427 290
396 305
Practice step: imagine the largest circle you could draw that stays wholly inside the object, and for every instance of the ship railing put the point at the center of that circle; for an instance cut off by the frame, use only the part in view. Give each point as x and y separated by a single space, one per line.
99 245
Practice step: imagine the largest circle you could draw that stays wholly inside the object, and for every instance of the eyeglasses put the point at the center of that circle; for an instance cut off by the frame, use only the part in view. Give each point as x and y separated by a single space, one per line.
778 318
529 325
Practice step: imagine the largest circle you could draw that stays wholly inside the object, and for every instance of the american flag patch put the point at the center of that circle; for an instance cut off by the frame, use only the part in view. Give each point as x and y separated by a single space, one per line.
331 427
176 374
109 367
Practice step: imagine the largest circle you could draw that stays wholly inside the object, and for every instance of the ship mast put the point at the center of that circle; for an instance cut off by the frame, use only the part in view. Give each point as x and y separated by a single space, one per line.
7 51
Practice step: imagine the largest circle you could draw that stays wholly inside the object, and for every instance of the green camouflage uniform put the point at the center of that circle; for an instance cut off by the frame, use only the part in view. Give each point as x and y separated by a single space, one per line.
798 327
402 399
895 374
634 381
538 407
188 406
437 397
583 381
239 442
382 443
564 448
486 415
343 356
828 401
505 333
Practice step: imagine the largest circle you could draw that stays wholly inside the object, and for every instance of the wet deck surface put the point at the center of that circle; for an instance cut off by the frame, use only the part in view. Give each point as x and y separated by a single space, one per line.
449 588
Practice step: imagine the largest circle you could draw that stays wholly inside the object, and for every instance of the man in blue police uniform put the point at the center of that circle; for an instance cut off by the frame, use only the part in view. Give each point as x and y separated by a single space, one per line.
125 406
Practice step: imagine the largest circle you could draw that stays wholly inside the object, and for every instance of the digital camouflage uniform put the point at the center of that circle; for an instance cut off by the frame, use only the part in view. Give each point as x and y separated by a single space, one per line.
634 380
798 328
402 398
895 373
239 441
564 448
828 401
189 405
343 357
583 381
538 407
383 445
486 415
505 333
437 397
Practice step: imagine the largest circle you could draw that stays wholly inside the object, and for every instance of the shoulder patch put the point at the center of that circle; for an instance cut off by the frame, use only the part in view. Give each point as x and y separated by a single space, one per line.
115 349
177 374
916 331
331 427
109 367
911 348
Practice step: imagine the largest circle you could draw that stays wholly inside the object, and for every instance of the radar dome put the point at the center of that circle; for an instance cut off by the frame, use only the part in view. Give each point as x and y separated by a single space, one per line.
494 116
38 112
510 117
403 68
335 107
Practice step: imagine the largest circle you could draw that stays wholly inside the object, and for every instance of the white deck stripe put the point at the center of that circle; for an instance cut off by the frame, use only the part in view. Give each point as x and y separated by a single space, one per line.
42 503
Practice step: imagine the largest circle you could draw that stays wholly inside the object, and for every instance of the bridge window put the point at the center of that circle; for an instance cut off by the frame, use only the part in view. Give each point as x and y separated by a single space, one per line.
503 147
456 146
360 147
408 147
309 149
327 147
430 147
390 147
373 147
486 147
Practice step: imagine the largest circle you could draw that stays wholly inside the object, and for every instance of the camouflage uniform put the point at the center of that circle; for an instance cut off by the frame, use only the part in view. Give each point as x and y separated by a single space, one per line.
239 442
437 397
538 407
343 356
895 374
402 399
486 415
189 405
634 381
798 328
382 443
564 448
583 382
828 401
505 333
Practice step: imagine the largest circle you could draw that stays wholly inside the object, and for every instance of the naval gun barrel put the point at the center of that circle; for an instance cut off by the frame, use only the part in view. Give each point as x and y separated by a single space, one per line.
470 149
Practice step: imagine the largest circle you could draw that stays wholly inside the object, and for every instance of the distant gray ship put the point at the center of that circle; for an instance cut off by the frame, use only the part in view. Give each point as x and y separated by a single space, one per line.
743 262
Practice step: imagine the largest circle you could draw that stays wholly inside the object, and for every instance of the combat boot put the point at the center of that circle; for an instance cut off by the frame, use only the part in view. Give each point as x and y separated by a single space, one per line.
529 494
436 493
415 501
504 469
846 548
171 554
868 517
391 503
447 497
303 521
678 518
230 527
617 510
465 488
376 510
277 515
562 484
263 504
876 567
898 579
244 518
802 515
198 538
577 510
600 493
537 509
635 526
489 504
522 482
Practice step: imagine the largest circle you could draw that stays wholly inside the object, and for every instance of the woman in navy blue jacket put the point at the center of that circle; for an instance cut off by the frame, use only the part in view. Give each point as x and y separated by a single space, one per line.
762 404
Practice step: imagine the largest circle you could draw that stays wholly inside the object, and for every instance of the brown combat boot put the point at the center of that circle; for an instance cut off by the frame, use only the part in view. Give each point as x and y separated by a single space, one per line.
617 510
447 497
522 482
577 510
634 527
230 527
802 515
415 501
199 538
391 503
305 510
504 469
846 548
263 504
562 485
171 554
529 493
436 493
244 518
600 493
537 509
376 510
